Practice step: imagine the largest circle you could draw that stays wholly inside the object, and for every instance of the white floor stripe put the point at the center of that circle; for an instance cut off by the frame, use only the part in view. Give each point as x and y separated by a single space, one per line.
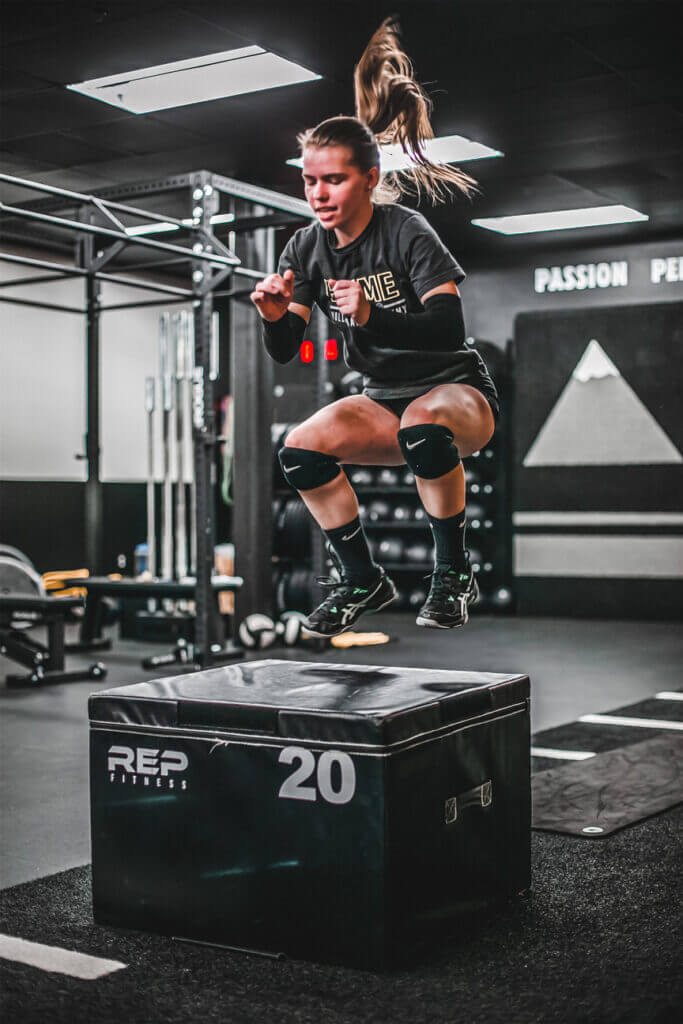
562 755
640 723
59 961
669 695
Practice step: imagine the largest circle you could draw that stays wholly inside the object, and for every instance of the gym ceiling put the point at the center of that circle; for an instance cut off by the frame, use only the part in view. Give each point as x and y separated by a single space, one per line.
583 98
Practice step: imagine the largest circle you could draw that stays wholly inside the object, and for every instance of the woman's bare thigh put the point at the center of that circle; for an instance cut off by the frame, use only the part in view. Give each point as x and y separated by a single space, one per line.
353 429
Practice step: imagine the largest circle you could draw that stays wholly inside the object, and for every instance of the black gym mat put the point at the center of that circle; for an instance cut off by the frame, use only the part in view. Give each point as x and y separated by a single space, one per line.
602 794
599 737
592 944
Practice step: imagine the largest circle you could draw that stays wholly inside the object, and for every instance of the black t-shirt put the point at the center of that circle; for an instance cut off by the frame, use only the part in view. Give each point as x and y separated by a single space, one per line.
397 258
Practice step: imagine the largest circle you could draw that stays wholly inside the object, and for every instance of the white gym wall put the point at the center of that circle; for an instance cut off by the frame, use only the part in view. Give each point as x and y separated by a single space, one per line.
43 384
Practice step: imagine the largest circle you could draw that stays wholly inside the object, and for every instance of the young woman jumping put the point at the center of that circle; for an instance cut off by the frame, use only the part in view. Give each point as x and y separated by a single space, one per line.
381 274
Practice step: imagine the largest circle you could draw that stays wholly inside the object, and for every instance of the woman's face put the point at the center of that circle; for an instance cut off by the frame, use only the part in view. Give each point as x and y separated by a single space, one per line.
336 189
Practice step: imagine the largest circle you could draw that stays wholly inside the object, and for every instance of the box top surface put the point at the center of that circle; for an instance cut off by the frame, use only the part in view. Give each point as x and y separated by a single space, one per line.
239 696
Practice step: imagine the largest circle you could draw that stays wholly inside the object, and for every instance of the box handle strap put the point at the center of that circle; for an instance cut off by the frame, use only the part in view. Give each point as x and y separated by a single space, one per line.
480 796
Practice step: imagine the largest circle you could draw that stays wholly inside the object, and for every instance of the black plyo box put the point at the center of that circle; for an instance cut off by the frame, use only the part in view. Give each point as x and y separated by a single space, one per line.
332 812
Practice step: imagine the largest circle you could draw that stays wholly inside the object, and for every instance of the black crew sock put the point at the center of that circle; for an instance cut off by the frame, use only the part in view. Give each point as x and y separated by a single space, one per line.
351 547
449 541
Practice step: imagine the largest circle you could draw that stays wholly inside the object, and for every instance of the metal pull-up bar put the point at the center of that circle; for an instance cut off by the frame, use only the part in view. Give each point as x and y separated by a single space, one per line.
95 229
81 197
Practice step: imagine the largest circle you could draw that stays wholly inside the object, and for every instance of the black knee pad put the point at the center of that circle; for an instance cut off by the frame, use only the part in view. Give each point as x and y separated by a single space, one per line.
428 449
304 470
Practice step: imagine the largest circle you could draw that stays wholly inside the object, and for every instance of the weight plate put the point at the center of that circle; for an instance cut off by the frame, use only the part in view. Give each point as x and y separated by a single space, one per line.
19 578
7 551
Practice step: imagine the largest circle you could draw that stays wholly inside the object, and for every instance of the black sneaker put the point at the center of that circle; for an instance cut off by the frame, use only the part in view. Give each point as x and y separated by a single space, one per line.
346 603
451 592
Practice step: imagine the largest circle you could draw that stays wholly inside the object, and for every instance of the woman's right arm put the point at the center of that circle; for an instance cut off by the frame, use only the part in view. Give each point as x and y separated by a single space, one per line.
283 322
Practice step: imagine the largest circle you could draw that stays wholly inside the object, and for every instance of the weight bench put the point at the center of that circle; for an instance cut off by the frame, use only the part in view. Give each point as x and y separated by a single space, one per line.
98 587
46 662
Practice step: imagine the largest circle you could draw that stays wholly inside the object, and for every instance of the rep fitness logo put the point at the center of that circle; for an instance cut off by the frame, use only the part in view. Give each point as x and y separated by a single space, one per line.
147 766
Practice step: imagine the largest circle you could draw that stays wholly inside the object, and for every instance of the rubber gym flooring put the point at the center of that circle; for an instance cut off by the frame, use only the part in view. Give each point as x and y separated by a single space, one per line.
596 941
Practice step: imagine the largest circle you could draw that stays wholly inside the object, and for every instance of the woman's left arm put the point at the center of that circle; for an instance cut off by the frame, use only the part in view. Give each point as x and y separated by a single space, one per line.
439 328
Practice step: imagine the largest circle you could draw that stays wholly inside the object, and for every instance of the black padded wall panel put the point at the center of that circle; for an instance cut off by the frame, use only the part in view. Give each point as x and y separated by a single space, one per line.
598 443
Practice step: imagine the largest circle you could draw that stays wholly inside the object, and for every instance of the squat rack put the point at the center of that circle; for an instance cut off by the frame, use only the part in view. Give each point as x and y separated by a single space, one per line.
256 213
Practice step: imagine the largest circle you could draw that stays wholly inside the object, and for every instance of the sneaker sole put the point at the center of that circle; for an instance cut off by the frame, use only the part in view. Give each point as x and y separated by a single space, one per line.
433 624
345 629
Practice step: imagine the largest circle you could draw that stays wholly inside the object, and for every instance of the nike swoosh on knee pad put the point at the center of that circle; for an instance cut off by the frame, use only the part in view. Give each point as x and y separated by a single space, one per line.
415 443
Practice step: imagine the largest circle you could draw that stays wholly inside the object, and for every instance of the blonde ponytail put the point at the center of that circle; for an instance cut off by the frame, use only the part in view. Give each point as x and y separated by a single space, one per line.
394 107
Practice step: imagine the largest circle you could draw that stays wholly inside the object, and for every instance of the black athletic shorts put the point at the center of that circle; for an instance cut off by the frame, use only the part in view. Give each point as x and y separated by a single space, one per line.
399 405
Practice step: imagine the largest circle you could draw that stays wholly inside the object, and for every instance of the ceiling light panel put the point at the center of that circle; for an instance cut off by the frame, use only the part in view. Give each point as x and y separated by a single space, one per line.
561 220
212 77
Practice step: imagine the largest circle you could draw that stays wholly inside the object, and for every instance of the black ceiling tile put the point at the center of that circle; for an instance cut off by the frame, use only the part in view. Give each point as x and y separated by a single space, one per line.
579 98
147 39
662 81
530 194
52 110
606 153
14 82
137 135
636 185
671 167
27 21
648 40
59 147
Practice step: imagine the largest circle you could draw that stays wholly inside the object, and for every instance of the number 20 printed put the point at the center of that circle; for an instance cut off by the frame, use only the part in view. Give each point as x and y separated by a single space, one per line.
293 787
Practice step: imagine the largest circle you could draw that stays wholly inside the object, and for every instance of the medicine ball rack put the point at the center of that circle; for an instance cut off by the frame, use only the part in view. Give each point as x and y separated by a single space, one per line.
100 236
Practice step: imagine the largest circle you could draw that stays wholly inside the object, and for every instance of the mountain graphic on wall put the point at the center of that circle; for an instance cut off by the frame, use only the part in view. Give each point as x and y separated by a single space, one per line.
598 420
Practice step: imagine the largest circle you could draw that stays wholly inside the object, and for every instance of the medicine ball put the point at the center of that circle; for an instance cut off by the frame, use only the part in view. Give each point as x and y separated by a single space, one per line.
16 577
418 552
7 551
361 477
289 627
388 477
379 511
417 597
351 383
401 513
419 514
391 549
408 478
475 559
362 511
257 630
501 599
